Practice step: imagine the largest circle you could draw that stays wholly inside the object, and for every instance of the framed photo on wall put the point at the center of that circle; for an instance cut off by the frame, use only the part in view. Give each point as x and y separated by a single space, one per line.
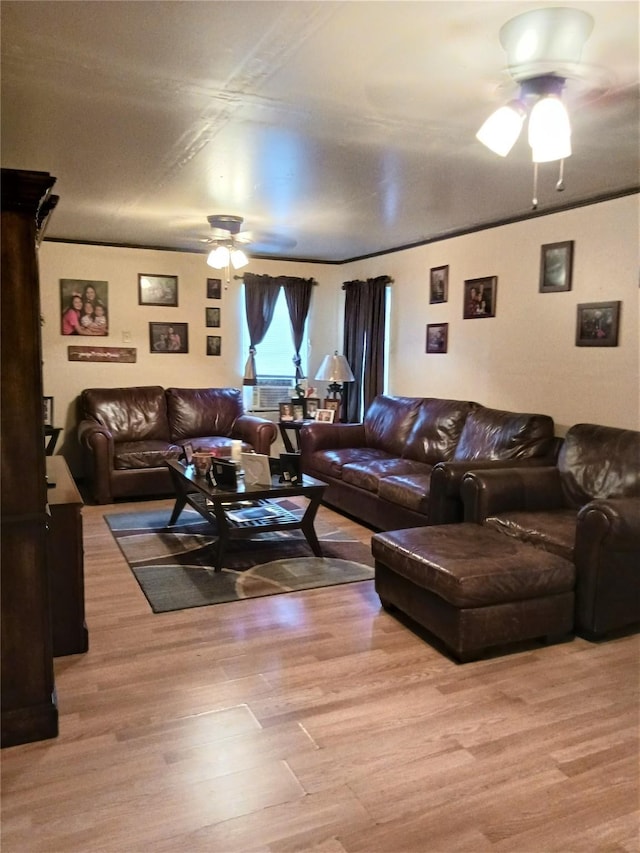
214 345
84 307
438 284
480 297
556 266
158 290
214 288
212 316
169 337
437 337
597 324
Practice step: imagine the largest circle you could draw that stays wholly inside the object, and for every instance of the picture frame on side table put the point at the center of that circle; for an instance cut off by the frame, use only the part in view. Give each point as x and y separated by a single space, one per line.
437 337
286 411
47 411
597 324
438 284
331 403
169 337
297 407
556 266
159 290
311 406
325 416
480 297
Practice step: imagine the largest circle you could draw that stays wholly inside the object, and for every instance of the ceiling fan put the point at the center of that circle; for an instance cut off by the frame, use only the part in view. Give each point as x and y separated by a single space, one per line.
544 50
227 241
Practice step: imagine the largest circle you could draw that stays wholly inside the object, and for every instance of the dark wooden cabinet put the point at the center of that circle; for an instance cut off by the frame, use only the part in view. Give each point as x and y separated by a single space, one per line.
29 709
66 561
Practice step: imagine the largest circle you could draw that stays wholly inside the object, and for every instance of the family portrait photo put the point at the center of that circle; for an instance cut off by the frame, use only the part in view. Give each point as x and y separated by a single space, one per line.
169 337
480 297
158 290
84 307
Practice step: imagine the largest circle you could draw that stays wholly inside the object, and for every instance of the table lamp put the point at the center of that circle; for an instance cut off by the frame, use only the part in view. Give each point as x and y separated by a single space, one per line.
335 369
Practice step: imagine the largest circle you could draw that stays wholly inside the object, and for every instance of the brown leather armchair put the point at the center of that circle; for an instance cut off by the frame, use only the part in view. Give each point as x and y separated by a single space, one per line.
586 508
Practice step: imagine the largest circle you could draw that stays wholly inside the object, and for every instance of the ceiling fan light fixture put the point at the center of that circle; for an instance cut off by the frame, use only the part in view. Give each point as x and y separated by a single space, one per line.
549 130
218 258
501 130
238 259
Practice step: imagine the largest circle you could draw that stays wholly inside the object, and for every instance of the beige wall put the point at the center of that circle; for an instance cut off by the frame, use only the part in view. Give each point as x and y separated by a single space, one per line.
523 359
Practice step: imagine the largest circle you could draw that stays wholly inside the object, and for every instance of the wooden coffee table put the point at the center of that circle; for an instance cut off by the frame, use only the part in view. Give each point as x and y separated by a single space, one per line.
247 510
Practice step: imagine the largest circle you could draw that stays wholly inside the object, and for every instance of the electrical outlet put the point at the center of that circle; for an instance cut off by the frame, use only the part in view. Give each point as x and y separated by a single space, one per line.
126 337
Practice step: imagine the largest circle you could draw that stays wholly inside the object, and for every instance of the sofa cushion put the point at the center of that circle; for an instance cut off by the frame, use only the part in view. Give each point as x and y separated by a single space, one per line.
599 462
130 414
552 530
494 434
128 455
331 462
195 412
368 474
408 490
436 430
388 421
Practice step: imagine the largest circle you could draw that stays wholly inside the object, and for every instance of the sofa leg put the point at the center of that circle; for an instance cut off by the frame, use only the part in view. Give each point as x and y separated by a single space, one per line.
386 605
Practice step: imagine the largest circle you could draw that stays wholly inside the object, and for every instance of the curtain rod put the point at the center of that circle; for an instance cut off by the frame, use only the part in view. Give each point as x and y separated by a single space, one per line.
241 278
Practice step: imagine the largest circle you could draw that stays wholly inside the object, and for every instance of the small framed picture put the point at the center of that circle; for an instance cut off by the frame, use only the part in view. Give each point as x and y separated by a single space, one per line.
47 411
597 324
214 288
311 406
169 337
437 337
480 297
297 406
439 284
214 345
286 411
158 290
330 403
325 416
212 316
187 450
556 266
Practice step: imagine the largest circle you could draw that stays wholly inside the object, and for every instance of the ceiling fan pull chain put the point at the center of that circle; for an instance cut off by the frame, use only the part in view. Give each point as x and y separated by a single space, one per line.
560 184
534 200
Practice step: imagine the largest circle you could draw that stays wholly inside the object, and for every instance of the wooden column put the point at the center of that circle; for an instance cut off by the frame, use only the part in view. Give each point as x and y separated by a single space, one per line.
29 709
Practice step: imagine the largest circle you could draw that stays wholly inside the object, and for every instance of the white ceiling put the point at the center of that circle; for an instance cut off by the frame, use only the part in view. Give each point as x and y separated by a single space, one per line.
336 129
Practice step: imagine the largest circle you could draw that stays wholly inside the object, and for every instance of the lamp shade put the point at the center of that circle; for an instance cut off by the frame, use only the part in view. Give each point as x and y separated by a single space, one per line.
335 368
218 258
238 259
549 130
501 130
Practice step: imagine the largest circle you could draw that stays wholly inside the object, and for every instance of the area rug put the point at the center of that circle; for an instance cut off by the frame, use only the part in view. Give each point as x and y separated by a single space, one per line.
173 565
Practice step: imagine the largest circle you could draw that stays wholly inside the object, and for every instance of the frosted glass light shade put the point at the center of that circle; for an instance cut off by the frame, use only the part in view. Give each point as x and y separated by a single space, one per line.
218 258
238 259
549 130
335 368
501 130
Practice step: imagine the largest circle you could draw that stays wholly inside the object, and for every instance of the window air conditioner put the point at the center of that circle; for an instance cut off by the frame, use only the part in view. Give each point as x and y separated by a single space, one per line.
267 397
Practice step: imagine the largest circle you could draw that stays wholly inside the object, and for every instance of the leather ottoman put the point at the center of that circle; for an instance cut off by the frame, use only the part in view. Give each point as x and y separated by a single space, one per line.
473 587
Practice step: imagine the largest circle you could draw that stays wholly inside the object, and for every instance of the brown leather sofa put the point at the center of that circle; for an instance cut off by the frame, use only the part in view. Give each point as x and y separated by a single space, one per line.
584 509
402 467
128 434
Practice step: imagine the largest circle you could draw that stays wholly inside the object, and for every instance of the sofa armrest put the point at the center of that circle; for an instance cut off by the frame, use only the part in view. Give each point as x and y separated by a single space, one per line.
445 501
258 432
494 490
607 559
97 445
321 436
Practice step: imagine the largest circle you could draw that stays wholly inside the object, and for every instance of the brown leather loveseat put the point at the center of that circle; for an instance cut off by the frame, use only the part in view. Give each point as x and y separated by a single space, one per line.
402 467
128 434
585 509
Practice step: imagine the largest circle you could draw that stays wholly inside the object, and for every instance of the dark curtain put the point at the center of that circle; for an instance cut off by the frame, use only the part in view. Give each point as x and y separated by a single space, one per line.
364 327
260 295
297 292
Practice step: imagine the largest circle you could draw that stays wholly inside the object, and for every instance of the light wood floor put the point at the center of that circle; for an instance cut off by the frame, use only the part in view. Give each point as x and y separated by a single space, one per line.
315 722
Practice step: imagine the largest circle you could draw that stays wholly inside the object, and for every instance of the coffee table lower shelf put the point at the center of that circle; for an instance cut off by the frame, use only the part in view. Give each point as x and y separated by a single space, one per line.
244 515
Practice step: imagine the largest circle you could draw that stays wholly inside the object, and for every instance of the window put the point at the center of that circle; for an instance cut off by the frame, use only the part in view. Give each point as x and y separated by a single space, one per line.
274 356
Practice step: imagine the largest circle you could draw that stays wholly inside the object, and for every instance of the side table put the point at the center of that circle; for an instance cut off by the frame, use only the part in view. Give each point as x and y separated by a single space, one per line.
292 428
